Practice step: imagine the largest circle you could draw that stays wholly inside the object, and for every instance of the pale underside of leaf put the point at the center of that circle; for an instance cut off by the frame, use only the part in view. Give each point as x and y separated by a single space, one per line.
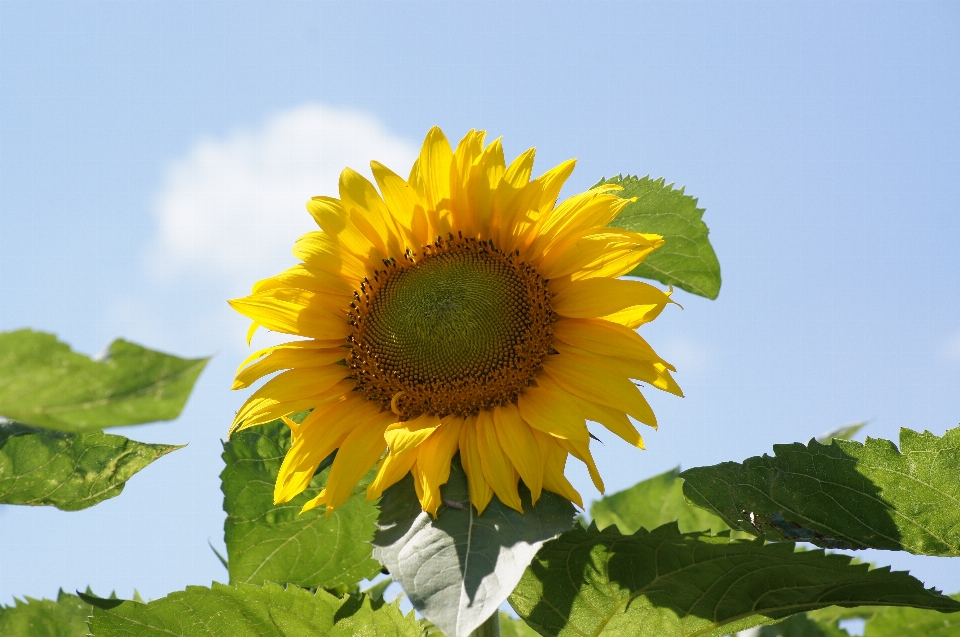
458 569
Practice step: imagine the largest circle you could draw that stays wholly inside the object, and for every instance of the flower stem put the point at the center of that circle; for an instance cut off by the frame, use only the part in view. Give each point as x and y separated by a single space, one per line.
489 628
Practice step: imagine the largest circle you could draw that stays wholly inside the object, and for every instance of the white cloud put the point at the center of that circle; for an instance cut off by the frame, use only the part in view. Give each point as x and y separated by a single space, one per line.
952 349
231 209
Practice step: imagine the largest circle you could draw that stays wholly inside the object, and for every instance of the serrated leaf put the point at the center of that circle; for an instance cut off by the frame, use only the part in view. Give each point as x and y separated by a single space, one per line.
802 625
666 584
653 503
66 617
69 471
250 611
458 569
45 384
843 495
267 542
898 622
687 259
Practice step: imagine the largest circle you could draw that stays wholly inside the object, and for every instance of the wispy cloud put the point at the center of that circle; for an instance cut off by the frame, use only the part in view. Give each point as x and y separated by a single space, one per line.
231 208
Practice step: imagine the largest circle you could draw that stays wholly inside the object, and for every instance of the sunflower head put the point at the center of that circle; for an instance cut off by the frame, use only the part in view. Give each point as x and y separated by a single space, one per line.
461 310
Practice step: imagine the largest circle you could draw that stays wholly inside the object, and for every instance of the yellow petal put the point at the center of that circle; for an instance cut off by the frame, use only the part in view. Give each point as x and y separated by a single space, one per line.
552 410
434 163
369 213
603 337
322 431
554 460
553 181
391 470
655 374
315 502
610 389
496 465
484 177
304 277
515 177
288 393
480 491
361 240
323 252
356 456
591 298
520 446
581 451
615 421
595 253
462 207
294 312
434 459
403 203
403 436
286 356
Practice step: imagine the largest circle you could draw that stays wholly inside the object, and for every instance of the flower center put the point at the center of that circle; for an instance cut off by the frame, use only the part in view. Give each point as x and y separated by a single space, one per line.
463 328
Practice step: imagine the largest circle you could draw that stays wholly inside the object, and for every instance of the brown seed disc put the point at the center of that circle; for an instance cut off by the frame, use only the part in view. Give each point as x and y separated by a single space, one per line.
464 327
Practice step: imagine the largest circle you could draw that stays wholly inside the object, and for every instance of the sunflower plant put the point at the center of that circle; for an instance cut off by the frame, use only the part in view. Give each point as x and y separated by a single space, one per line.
455 337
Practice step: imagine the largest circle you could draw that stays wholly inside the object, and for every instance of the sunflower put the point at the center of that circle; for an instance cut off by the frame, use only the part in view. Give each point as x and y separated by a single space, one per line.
459 310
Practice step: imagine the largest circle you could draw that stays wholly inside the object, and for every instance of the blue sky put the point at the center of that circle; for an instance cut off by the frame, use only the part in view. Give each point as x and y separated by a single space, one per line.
154 157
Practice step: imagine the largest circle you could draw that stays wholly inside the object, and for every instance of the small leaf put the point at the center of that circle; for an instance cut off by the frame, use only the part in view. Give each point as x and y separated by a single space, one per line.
846 432
458 569
899 622
66 617
846 495
45 384
687 259
663 583
267 542
510 627
251 611
652 503
69 471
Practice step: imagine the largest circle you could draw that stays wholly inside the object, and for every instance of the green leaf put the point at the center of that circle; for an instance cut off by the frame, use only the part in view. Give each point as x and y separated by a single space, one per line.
66 617
843 495
457 569
250 611
69 471
652 503
277 543
510 627
898 622
663 583
841 433
801 625
45 384
687 259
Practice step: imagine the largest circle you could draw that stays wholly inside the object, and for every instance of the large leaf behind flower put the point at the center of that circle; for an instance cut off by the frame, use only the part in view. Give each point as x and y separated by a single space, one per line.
843 495
687 259
459 568
250 611
46 384
667 584
66 617
652 503
66 470
276 543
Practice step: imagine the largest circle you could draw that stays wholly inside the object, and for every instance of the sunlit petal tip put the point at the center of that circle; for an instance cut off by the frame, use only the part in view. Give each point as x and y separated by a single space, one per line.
289 423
